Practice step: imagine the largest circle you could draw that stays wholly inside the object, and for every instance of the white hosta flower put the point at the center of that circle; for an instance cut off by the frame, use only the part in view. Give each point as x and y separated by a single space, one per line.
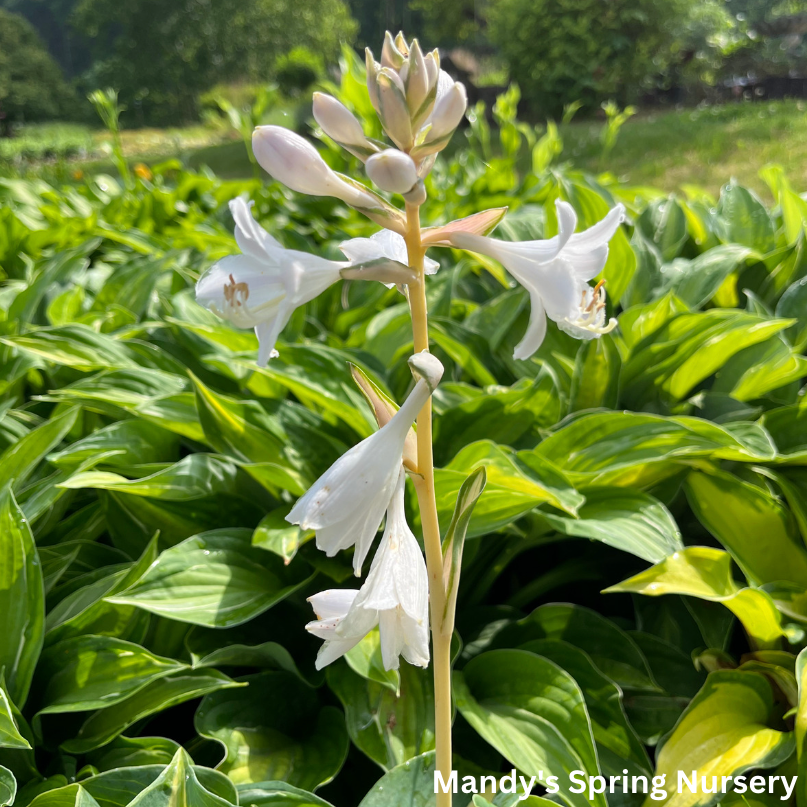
556 273
395 597
383 244
296 163
392 170
346 504
261 287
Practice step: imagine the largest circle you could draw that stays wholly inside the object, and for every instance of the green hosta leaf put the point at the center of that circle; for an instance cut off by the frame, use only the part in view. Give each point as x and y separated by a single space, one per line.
75 346
216 579
617 743
96 672
409 785
742 219
737 513
275 729
663 223
800 727
595 382
126 752
516 483
470 491
70 796
22 599
610 648
10 736
19 460
117 788
499 414
320 379
86 612
8 787
636 450
275 534
389 728
277 794
696 282
178 786
688 349
723 732
625 519
132 441
103 726
365 660
703 572
533 713
233 427
194 477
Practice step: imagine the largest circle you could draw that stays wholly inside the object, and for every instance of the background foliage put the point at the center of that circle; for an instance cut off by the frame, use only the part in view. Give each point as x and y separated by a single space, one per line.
154 597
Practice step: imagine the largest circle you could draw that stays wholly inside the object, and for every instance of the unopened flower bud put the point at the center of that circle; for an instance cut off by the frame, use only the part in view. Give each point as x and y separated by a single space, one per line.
392 170
393 111
417 80
448 112
432 61
427 367
373 68
340 124
390 55
295 162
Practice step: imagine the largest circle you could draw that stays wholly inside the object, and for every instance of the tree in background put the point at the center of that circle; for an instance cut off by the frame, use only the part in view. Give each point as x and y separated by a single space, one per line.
31 84
565 50
161 54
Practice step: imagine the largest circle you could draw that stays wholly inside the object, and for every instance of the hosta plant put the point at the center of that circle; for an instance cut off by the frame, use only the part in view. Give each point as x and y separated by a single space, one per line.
178 504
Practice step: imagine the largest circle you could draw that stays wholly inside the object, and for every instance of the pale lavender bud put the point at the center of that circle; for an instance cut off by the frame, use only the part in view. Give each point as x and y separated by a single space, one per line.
392 170
448 112
417 81
295 162
393 111
340 124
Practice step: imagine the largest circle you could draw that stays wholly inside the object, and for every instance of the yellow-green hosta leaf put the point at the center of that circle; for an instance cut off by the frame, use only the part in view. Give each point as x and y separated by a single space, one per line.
705 572
737 513
178 786
800 731
533 713
723 732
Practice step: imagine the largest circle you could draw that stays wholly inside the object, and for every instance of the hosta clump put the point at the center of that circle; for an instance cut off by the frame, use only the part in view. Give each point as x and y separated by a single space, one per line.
155 599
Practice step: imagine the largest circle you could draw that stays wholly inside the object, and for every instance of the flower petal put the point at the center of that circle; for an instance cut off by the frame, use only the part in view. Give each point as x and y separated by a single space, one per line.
536 330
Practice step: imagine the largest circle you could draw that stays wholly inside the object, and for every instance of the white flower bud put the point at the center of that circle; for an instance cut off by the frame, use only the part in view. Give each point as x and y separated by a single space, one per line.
390 55
295 162
340 124
392 170
448 112
417 81
393 111
427 367
373 68
432 67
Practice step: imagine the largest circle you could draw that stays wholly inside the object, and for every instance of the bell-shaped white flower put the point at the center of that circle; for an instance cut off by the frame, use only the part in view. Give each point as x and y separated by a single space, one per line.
395 597
346 504
556 272
383 244
261 288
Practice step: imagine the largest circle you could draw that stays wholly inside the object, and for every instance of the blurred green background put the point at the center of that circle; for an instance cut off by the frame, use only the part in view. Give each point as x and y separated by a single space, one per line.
713 88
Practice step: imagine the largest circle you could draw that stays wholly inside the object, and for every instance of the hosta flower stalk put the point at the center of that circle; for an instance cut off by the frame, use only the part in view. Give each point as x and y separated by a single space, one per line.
419 107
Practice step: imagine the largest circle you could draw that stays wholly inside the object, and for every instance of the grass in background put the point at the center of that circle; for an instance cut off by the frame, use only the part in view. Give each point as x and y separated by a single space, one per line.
703 146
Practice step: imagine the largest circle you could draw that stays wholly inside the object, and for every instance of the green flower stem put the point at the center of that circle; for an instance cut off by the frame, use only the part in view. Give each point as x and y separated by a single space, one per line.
424 485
